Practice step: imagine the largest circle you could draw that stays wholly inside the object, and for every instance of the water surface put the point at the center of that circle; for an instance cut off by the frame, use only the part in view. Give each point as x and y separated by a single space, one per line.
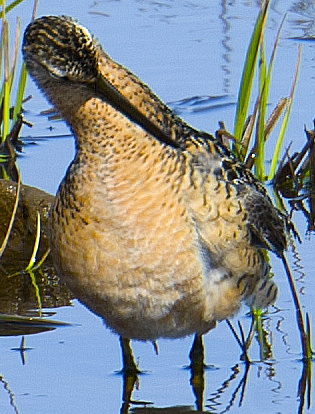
188 52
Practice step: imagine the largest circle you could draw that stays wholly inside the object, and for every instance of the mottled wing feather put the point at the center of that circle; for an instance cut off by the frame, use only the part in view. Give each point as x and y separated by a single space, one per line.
267 225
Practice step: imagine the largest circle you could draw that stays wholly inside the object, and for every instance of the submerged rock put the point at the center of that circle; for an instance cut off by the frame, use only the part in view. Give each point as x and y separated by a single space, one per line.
17 291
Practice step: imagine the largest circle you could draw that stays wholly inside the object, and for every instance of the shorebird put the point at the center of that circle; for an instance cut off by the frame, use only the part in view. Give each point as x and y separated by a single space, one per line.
156 226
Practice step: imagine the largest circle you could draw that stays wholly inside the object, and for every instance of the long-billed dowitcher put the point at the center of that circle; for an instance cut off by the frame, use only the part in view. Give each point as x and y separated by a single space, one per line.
156 227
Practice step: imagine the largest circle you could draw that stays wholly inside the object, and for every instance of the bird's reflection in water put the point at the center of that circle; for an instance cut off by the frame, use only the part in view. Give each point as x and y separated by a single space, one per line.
197 369
213 401
232 390
235 390
166 410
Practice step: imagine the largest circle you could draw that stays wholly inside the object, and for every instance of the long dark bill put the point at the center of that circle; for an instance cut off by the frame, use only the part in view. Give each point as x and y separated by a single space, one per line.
115 98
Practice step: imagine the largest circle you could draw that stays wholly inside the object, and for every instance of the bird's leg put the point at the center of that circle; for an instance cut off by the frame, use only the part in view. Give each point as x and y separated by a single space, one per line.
197 368
130 374
196 354
129 365
129 382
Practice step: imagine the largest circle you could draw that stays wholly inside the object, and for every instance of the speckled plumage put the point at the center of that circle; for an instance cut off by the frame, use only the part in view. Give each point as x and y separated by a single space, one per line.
156 227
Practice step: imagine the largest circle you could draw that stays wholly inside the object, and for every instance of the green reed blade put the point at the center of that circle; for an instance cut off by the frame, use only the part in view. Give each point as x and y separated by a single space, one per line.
37 291
30 268
15 51
265 348
22 79
260 126
16 203
263 127
41 261
275 157
9 75
36 245
9 7
1 53
247 76
6 84
20 92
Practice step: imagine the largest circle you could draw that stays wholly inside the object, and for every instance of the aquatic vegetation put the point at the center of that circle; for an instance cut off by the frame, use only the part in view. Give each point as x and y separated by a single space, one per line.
254 157
252 153
11 118
244 123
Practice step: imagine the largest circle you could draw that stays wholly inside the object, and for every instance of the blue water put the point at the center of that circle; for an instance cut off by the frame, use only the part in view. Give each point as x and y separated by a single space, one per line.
185 50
